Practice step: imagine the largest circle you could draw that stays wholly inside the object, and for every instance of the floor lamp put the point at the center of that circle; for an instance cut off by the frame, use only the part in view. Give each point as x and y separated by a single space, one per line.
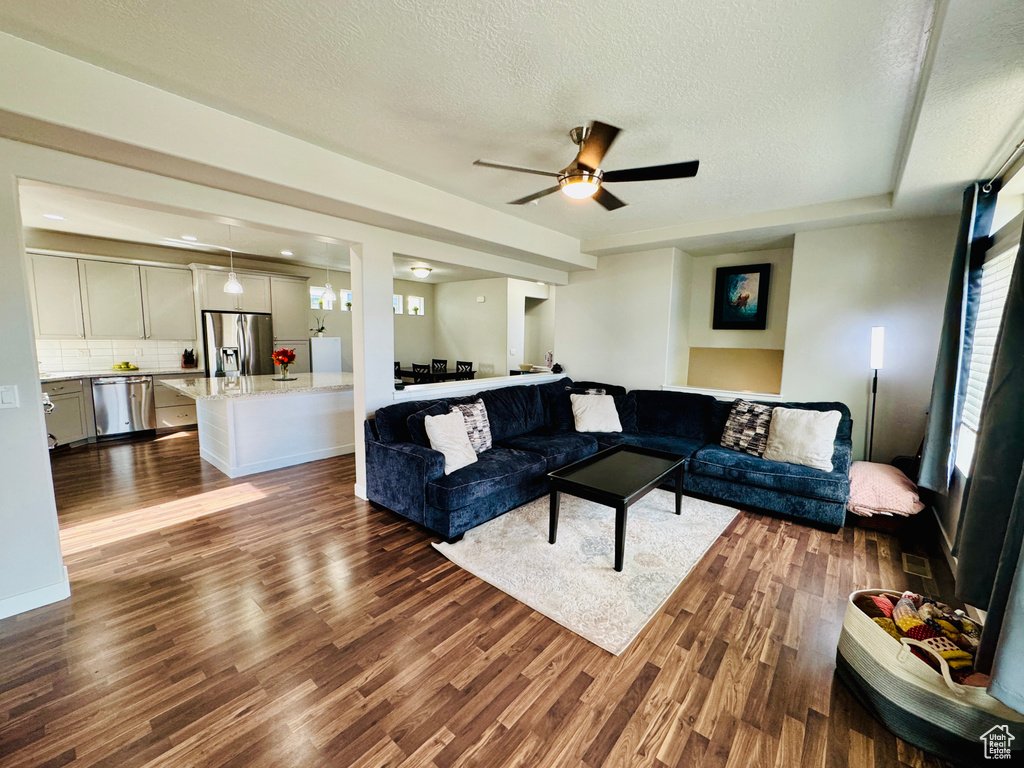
877 347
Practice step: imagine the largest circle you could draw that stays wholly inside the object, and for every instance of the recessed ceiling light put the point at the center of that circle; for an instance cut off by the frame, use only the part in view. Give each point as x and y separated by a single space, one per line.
421 272
540 282
190 238
287 253
53 216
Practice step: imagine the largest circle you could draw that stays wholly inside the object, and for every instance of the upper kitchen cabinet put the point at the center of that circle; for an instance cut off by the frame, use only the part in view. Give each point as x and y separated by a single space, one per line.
168 305
289 299
255 296
56 297
111 300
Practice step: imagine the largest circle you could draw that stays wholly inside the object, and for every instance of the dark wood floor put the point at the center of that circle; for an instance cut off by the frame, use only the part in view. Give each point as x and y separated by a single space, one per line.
279 621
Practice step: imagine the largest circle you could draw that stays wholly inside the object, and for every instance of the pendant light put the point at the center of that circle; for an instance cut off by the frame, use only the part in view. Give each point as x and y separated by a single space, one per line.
328 294
232 285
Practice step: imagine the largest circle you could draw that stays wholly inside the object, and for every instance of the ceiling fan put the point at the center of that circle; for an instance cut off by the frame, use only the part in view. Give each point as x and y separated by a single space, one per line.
584 178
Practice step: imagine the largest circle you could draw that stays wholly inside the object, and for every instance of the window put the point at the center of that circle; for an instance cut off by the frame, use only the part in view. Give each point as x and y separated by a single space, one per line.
316 298
415 305
345 297
995 284
396 301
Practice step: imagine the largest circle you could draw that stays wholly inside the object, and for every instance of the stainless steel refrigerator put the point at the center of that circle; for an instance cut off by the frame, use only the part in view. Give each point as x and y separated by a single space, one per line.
237 343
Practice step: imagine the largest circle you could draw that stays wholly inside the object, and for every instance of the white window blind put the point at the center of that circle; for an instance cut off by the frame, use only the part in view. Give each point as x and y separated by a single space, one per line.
995 284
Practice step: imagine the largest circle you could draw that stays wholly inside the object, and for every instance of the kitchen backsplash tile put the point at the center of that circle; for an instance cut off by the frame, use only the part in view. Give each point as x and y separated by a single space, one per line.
95 355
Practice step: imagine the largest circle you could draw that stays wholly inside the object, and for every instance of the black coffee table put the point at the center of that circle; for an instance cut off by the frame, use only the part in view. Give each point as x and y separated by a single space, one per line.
616 477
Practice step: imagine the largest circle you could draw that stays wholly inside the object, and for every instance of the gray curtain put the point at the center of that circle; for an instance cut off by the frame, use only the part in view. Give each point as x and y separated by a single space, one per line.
949 385
991 528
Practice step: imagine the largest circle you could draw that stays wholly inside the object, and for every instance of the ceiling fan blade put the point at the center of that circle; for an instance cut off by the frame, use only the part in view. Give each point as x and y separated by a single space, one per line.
596 145
534 196
608 200
515 168
654 172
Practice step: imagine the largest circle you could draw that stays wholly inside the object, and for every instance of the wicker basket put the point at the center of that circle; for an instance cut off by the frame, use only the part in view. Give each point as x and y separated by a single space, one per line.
918 704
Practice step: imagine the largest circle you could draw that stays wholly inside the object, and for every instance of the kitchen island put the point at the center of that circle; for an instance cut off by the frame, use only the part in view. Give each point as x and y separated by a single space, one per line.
250 424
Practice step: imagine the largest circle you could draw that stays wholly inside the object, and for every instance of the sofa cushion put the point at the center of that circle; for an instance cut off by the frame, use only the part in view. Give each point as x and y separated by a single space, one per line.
721 463
682 414
415 424
513 410
746 429
558 448
595 413
549 393
495 470
391 420
681 446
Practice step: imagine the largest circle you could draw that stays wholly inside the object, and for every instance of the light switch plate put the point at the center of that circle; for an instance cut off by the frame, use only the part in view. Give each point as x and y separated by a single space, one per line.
8 395
481 299
512 352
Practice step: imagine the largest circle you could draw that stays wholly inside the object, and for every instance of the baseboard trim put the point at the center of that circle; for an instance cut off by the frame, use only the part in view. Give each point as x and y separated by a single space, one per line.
278 463
360 491
37 598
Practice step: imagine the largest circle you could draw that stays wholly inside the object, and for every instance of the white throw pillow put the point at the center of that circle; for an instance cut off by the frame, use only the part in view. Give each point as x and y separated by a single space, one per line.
595 413
447 434
802 437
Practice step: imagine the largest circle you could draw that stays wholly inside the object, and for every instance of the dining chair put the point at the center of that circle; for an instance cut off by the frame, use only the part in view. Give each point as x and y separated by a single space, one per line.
398 370
463 370
438 366
421 374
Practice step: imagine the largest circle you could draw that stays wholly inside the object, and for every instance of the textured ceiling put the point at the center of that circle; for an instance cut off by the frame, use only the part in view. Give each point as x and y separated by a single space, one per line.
785 103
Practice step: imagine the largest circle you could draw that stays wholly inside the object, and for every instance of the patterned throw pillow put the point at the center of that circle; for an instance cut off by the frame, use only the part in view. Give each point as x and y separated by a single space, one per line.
477 426
746 429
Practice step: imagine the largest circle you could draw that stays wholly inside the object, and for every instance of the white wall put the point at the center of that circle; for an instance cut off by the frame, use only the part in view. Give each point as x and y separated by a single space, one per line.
847 280
702 288
613 324
518 292
539 328
465 329
414 334
31 569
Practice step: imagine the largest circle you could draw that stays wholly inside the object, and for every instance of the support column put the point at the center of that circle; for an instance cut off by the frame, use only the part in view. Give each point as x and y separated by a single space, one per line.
31 569
373 340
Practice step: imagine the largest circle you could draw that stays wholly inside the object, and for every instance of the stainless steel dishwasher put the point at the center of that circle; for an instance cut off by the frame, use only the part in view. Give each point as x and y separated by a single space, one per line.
123 404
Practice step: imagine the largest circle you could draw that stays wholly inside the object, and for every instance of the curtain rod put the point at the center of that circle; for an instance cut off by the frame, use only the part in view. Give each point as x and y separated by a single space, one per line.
988 184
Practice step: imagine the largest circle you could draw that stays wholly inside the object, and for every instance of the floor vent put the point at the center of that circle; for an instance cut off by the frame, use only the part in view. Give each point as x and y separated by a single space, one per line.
919 566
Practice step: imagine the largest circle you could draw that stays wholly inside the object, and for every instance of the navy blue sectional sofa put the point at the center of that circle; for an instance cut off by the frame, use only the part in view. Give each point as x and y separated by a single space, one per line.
534 433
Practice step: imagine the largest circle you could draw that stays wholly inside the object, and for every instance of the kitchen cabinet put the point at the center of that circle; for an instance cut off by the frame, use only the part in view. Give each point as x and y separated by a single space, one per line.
111 300
301 347
173 409
168 303
255 296
289 302
67 422
56 297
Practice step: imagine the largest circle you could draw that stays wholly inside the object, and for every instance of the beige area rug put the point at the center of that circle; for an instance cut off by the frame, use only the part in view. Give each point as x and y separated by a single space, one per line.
573 581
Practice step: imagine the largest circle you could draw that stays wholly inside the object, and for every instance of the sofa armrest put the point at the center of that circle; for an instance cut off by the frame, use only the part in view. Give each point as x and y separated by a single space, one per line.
397 475
842 456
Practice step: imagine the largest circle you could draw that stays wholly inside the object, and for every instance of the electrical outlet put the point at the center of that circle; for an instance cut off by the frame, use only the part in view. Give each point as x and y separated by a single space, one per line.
138 351
84 353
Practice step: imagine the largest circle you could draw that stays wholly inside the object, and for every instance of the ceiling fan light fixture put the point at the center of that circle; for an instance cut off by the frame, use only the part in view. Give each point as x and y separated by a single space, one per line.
580 184
421 272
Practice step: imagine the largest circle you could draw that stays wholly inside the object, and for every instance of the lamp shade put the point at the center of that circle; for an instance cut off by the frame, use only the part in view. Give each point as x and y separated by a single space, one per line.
232 285
877 346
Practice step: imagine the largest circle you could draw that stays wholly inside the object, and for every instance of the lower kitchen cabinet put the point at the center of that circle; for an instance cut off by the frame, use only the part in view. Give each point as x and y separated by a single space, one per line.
68 420
174 416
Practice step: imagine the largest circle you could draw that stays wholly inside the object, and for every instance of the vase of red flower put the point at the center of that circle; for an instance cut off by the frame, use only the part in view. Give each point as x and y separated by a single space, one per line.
284 357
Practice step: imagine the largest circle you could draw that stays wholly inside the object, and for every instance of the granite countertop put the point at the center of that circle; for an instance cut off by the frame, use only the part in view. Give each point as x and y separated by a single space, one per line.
66 375
223 388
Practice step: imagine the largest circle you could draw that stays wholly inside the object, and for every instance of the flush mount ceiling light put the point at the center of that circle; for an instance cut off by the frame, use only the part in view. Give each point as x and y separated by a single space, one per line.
53 216
328 294
190 238
421 272
232 285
